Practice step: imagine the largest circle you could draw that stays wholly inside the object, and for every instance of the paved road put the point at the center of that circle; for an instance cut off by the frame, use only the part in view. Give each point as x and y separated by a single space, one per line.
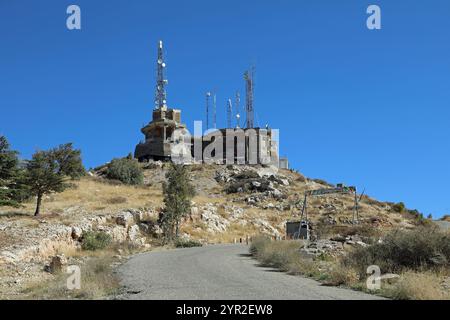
217 272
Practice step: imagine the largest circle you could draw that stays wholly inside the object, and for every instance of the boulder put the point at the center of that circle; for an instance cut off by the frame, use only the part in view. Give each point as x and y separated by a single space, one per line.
134 235
57 263
125 219
77 233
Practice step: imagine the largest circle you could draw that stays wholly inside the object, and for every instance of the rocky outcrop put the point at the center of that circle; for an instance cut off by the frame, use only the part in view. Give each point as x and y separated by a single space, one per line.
214 222
247 179
44 241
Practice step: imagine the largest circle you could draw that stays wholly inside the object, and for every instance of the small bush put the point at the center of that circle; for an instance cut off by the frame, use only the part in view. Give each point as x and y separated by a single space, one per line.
95 240
258 244
117 200
417 249
399 207
340 275
276 254
125 170
180 243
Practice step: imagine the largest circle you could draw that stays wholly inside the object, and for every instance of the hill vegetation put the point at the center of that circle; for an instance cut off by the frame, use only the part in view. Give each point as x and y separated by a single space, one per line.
121 207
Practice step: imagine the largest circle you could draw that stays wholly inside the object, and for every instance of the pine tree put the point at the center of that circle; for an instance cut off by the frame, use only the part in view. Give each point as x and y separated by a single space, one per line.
49 171
178 192
8 174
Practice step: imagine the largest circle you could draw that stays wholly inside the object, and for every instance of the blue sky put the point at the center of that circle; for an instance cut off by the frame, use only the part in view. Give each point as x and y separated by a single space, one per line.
368 108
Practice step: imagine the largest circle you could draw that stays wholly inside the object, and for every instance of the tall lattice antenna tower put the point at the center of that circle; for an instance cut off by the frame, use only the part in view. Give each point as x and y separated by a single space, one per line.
160 92
229 113
237 106
249 90
208 95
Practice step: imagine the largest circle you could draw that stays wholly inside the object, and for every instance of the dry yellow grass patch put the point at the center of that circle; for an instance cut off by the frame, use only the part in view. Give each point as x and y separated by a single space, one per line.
418 286
94 195
98 281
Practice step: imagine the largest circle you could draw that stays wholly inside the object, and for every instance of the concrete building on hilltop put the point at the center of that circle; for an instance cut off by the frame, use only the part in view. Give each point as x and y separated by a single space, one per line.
167 138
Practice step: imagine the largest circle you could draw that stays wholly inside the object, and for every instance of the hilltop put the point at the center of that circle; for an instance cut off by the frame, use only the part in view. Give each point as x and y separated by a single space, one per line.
232 202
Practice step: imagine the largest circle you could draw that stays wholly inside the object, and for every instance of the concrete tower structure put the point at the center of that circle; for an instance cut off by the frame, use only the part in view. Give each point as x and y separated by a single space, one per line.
159 132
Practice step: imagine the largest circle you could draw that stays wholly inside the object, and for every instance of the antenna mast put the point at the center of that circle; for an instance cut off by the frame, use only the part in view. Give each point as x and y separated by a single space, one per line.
249 88
238 116
214 112
229 113
208 95
160 92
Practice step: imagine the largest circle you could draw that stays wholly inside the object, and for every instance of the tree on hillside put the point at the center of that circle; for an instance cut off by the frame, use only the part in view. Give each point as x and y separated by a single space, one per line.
50 171
178 192
126 170
8 174
68 160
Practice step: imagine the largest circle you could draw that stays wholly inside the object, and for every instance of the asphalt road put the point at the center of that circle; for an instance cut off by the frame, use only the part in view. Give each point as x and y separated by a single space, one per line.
220 272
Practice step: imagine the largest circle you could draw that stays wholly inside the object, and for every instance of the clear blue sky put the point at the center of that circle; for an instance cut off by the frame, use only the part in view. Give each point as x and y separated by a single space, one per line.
368 108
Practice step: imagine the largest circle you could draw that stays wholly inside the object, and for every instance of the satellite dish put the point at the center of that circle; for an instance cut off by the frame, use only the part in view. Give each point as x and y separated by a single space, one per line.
163 65
160 61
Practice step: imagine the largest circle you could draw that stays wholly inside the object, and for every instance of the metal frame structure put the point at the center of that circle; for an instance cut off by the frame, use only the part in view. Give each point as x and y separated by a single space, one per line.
249 88
160 91
340 189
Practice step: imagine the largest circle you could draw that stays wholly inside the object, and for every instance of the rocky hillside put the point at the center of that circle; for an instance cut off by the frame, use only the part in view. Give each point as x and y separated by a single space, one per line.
232 202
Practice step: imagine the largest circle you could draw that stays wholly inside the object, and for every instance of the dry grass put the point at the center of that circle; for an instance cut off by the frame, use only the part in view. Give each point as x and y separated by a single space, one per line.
418 286
340 275
97 282
93 195
283 255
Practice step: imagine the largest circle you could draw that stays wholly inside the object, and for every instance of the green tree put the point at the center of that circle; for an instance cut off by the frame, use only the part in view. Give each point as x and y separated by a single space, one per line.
68 160
126 170
50 171
178 192
8 174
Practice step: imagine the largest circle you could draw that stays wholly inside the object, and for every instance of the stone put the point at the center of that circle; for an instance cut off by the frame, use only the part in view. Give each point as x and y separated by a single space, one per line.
118 233
256 184
214 222
125 219
134 235
77 233
57 263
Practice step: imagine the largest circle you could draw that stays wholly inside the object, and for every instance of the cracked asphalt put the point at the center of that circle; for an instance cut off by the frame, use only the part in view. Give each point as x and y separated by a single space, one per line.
218 272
